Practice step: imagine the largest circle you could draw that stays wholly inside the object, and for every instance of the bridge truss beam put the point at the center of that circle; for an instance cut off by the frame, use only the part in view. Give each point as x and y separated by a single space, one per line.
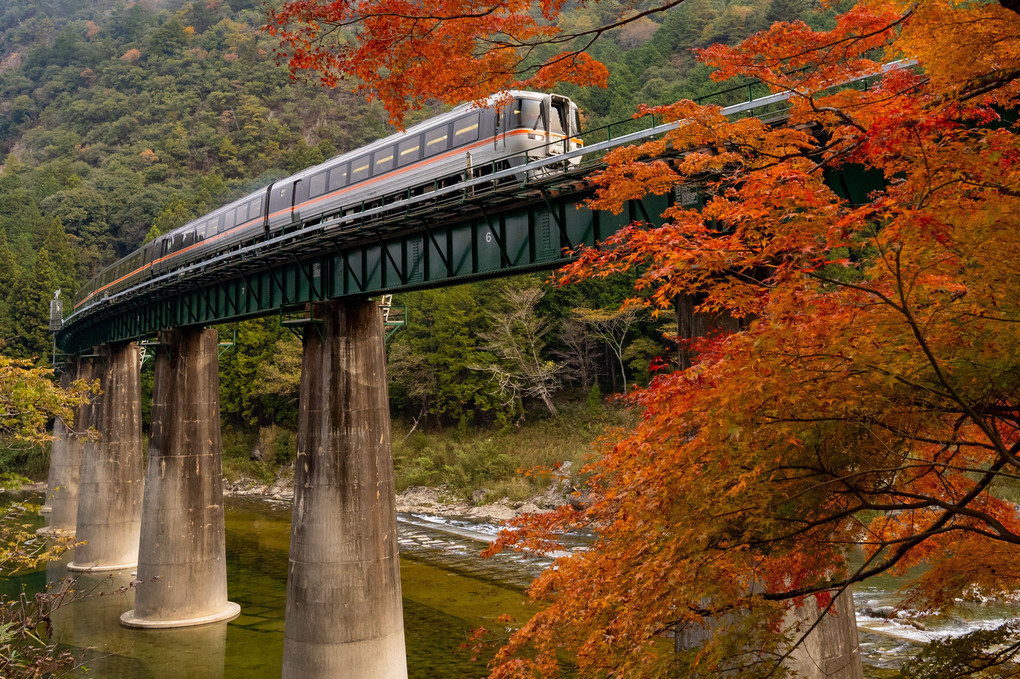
449 247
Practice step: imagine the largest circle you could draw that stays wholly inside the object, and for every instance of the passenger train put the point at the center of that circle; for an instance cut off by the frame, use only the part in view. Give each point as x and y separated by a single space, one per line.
447 148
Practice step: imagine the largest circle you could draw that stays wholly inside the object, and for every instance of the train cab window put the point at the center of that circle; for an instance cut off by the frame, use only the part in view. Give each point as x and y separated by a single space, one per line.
359 169
317 184
465 129
382 161
527 113
408 151
558 119
338 177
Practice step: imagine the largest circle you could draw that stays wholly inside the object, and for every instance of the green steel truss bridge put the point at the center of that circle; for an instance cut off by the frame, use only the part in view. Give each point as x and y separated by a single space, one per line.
507 222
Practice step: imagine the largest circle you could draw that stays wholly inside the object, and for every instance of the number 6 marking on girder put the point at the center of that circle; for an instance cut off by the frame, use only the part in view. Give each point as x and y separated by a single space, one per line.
488 237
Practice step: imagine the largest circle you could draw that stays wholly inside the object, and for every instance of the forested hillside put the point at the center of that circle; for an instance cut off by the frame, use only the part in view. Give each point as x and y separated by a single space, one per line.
120 121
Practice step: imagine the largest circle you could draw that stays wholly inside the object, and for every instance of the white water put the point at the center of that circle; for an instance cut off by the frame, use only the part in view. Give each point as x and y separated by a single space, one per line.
885 642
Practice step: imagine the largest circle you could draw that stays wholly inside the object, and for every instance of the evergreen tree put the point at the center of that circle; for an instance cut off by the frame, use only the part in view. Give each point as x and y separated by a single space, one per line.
175 213
65 263
9 274
30 310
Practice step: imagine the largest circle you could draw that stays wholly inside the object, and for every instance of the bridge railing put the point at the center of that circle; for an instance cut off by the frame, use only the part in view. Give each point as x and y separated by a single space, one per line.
754 98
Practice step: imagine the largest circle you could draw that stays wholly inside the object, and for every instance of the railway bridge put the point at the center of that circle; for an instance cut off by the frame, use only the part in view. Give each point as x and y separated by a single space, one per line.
344 613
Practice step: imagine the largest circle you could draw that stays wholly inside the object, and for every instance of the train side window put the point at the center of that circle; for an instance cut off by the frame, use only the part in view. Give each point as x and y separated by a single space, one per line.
382 161
241 214
409 151
338 177
465 129
317 184
255 208
436 140
359 169
230 220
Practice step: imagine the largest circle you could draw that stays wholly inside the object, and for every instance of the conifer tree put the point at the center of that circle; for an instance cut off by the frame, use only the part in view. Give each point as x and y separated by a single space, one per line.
62 256
9 274
30 310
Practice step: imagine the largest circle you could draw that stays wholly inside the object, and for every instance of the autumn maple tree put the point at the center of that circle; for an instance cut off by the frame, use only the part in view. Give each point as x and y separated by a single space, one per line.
865 417
408 52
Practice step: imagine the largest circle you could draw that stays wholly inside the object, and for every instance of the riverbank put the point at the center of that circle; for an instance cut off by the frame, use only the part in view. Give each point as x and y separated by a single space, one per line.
424 500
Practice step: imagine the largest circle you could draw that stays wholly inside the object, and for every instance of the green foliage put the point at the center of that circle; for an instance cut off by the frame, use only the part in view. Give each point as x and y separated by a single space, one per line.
30 310
12 481
431 358
468 460
259 375
26 649
639 356
20 463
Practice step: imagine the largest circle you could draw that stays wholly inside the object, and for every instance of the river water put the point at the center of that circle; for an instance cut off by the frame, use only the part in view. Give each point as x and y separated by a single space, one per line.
448 591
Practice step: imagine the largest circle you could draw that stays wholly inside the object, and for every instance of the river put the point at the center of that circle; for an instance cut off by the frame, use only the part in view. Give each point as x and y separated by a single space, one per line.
448 590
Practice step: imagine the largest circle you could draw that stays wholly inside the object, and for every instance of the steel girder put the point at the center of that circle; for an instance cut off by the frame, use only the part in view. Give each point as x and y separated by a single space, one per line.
436 250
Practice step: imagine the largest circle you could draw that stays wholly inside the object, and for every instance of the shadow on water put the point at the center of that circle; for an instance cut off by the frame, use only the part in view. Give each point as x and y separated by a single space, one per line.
447 593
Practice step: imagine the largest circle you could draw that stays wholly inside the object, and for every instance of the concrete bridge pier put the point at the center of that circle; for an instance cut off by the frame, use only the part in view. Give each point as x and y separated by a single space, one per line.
829 651
65 459
344 611
832 650
181 555
58 450
110 492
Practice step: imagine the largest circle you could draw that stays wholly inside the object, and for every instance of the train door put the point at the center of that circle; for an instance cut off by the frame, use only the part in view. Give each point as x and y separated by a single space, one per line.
558 124
299 197
503 114
281 205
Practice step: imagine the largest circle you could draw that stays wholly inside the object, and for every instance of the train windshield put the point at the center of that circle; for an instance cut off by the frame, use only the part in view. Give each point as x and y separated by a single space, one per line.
527 113
558 120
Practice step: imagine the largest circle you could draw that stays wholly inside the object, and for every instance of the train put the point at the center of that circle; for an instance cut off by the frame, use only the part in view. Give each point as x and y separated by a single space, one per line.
448 148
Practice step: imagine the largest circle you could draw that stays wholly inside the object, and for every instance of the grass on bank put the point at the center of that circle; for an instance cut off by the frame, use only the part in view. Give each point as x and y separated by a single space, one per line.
465 461
460 459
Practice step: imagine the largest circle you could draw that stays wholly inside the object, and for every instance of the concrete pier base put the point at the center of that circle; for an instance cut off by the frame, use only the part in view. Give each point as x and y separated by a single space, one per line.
832 649
181 557
65 460
829 651
110 492
58 451
344 612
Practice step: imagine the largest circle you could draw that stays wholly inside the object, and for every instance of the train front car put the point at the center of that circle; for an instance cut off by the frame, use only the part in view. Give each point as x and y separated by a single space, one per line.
536 126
